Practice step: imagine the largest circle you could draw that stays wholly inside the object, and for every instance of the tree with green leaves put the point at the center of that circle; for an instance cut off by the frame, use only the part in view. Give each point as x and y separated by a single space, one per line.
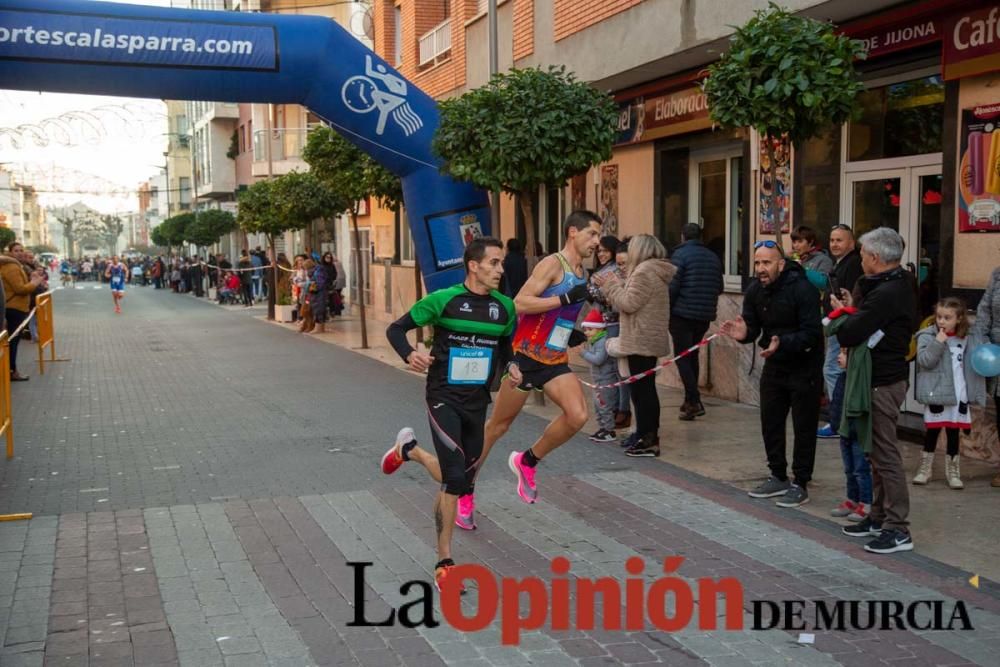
785 76
206 228
111 227
172 231
7 236
284 204
158 238
351 176
526 128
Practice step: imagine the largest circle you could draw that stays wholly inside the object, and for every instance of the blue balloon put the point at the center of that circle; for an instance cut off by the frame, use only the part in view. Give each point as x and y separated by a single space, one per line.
986 360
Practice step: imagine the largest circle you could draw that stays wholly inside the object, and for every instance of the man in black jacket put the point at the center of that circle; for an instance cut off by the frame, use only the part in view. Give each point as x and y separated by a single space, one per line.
845 273
885 322
694 297
781 305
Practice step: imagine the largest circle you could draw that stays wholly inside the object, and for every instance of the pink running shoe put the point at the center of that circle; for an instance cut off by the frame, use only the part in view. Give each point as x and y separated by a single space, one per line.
525 478
393 459
465 519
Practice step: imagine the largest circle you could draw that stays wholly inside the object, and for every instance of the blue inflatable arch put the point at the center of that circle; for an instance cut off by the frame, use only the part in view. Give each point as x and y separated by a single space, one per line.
127 50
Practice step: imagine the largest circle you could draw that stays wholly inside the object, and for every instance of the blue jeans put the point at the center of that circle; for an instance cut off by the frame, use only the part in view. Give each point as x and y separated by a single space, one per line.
830 368
857 471
856 467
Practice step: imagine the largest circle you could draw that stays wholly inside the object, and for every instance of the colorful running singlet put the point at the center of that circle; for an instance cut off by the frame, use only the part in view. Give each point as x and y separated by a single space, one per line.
544 337
117 277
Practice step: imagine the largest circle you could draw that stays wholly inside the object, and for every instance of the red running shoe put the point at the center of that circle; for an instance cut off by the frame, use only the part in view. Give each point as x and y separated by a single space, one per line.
393 458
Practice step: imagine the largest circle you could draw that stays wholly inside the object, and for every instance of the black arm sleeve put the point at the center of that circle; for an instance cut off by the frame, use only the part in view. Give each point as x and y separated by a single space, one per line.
396 334
871 316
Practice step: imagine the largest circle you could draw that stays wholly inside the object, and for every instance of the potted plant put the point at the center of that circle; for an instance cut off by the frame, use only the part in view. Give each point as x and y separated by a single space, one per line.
283 308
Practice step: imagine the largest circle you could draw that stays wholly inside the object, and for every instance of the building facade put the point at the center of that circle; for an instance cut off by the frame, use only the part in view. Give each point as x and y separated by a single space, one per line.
917 159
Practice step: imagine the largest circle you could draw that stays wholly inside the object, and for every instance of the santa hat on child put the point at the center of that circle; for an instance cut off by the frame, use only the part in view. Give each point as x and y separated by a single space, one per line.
593 320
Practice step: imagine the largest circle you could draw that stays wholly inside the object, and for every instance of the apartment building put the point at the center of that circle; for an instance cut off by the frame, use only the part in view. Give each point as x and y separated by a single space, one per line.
21 212
178 193
271 137
917 158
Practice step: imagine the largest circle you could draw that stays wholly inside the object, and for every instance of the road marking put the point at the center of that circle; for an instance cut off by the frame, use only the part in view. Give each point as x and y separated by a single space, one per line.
94 490
174 467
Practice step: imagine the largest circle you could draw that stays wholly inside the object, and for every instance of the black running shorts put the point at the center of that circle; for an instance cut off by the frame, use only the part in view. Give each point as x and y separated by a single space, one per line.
535 374
458 441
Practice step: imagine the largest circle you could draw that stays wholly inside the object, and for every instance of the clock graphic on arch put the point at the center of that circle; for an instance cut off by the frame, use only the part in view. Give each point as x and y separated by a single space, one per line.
358 94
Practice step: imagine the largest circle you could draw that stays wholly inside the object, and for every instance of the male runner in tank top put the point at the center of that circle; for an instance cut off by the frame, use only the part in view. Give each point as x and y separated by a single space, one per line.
548 306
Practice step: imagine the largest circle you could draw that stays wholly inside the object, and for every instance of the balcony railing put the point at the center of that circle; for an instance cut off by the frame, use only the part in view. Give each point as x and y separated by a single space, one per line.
435 43
285 144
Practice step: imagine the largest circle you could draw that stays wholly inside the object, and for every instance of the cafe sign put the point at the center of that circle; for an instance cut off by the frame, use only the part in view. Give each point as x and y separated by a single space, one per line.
663 114
972 43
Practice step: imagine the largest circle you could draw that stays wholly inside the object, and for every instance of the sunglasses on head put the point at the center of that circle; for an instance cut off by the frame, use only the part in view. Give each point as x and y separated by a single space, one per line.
769 244
840 226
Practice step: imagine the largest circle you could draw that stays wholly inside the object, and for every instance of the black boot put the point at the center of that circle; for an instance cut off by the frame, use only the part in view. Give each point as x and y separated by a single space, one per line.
647 447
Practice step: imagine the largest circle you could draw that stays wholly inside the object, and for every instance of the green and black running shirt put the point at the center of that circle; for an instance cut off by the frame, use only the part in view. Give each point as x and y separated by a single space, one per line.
471 341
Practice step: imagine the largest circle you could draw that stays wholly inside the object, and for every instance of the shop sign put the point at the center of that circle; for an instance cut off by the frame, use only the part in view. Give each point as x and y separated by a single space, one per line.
972 43
898 35
662 115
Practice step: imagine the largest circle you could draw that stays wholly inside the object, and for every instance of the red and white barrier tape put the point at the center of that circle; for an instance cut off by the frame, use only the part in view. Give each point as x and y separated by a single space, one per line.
652 371
219 268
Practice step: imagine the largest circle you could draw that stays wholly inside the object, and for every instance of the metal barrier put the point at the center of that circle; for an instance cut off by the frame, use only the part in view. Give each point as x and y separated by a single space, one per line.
6 427
46 331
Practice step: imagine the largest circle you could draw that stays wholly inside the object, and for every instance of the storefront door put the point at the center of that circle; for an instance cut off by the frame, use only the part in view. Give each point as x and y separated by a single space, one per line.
907 199
715 193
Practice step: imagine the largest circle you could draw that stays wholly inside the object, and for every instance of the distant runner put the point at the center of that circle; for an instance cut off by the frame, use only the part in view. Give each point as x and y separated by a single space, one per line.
117 275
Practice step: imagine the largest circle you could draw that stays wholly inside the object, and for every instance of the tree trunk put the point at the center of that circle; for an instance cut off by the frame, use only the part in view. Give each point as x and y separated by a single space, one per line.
529 229
771 199
272 279
361 279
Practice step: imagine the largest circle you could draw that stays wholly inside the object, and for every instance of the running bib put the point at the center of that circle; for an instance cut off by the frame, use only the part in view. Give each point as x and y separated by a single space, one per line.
559 338
469 365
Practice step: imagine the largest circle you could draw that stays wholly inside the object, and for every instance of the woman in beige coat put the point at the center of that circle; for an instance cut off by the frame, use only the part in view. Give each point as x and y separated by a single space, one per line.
643 300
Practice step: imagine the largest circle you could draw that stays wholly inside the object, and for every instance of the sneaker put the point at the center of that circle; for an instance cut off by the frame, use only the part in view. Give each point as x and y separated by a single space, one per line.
699 409
889 542
865 528
441 573
648 447
688 412
843 509
631 441
770 488
604 435
393 458
794 497
860 512
465 518
827 432
526 488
